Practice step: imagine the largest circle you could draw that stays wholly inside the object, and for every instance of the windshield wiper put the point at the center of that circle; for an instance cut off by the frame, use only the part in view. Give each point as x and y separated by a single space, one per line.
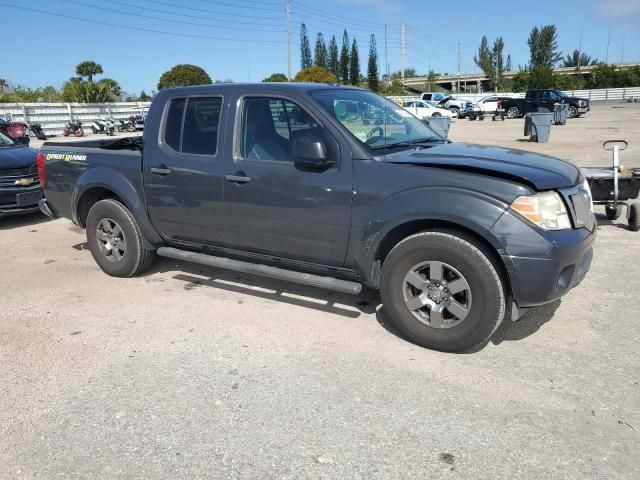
409 143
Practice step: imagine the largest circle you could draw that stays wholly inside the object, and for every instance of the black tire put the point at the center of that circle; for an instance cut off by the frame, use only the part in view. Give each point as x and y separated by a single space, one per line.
634 217
572 112
135 258
513 112
487 298
613 213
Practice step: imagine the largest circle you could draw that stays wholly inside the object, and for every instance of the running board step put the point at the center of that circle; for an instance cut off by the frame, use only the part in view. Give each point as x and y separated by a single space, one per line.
327 283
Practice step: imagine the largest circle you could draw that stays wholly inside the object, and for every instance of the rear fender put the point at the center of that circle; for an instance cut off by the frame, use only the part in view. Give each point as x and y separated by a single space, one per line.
121 186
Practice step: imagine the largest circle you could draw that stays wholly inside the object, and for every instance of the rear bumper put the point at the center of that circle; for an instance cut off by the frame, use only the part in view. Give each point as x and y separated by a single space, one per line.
46 209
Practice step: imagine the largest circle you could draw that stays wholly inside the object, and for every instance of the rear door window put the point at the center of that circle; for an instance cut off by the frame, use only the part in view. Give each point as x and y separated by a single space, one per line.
191 125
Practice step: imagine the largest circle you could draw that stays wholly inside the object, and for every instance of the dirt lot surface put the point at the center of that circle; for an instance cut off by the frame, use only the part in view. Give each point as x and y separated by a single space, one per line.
192 372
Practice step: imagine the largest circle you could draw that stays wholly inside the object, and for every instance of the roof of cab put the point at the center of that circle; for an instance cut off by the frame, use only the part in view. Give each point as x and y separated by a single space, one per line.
270 86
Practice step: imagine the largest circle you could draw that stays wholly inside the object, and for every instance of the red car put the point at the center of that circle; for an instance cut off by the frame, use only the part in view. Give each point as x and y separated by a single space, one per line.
17 130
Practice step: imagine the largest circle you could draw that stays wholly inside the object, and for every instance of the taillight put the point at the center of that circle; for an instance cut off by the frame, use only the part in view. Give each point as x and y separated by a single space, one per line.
42 171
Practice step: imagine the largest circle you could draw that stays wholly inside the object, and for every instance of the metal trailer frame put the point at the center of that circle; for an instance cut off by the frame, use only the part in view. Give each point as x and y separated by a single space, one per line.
613 191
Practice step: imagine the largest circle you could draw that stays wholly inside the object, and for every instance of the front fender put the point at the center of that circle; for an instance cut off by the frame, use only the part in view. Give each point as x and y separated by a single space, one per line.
471 210
124 188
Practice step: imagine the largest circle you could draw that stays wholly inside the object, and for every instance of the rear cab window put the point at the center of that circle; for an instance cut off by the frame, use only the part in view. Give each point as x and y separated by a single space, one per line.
191 125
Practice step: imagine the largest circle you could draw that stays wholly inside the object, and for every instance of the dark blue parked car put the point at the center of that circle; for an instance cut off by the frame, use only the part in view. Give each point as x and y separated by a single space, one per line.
19 185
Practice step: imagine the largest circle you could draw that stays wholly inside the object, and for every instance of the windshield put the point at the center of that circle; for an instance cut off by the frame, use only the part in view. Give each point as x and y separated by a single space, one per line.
374 120
559 93
5 140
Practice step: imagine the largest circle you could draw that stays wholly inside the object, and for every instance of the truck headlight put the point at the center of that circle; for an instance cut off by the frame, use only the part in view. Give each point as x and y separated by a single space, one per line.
547 210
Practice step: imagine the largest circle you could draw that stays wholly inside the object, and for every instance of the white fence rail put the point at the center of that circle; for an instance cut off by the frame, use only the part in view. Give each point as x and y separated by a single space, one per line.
54 116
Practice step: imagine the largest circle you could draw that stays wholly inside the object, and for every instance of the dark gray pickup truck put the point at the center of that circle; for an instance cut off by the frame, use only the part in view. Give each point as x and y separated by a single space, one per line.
289 181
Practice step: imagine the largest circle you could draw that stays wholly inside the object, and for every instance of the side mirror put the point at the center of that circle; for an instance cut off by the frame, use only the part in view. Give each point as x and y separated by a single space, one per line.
309 151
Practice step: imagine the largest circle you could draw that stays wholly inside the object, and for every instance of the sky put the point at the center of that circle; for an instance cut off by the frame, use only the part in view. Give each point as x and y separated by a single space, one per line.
135 41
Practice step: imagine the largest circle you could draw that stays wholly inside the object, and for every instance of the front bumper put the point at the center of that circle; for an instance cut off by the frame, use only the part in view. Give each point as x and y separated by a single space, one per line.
543 266
583 109
9 204
46 209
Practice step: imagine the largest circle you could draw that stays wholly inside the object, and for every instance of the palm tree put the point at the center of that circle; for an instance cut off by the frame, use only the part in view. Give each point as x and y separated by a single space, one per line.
3 85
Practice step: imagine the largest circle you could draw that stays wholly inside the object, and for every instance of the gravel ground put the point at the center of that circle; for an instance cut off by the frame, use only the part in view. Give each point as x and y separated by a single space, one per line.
192 372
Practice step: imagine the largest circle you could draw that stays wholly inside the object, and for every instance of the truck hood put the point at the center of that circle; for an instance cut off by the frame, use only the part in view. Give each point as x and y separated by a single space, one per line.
17 156
540 172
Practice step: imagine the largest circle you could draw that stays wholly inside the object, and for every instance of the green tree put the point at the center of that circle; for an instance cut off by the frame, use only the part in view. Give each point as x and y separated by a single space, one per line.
276 77
88 69
373 80
602 76
49 94
507 66
431 80
344 59
579 59
4 85
354 64
315 74
543 46
520 81
320 59
395 88
305 49
484 59
184 75
498 62
567 82
333 64
541 76
144 97
82 91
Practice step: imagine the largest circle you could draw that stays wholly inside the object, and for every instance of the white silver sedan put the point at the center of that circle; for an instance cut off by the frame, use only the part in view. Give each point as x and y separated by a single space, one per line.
422 110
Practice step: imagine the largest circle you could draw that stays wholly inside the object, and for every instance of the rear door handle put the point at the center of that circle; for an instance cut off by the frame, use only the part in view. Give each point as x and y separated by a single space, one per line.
240 177
162 170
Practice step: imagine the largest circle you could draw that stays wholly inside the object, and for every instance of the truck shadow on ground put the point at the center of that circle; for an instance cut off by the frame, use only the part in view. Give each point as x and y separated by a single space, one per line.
525 326
368 302
195 276
16 221
603 221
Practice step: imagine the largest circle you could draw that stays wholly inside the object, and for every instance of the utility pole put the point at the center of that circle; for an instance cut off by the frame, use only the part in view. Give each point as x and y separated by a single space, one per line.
606 58
403 43
386 63
288 40
622 54
458 87
579 51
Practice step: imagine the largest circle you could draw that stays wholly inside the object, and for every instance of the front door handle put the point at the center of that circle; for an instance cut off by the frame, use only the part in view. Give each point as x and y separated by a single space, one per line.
239 177
161 170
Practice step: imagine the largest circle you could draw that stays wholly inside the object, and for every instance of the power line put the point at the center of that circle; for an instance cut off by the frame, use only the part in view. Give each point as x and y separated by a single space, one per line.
141 29
171 20
168 4
215 2
198 17
355 21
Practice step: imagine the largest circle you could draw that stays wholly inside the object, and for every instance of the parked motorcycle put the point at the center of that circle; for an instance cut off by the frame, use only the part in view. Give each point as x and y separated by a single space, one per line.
106 126
37 130
73 128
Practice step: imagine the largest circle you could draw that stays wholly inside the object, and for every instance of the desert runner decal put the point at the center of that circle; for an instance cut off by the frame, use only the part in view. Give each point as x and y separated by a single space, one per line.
67 157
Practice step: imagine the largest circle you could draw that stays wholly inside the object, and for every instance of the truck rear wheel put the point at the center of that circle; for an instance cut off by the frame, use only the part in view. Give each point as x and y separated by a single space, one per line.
513 112
442 292
115 241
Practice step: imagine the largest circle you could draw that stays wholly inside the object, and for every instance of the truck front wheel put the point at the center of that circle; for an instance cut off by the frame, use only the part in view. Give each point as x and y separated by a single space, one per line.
513 112
442 292
115 241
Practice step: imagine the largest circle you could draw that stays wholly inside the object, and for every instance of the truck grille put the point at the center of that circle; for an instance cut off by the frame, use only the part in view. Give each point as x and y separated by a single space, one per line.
579 201
18 181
